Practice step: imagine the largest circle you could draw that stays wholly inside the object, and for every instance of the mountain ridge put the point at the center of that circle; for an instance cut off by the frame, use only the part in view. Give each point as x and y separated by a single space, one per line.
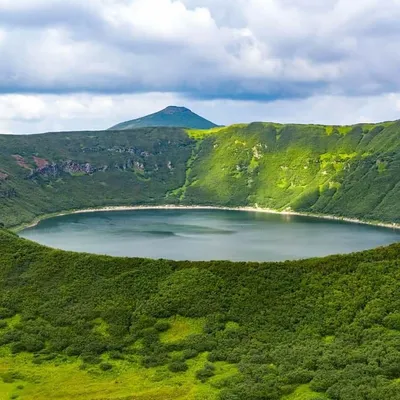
347 171
171 116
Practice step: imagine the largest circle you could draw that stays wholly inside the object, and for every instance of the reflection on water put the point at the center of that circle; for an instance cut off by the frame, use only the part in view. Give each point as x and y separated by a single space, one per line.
207 235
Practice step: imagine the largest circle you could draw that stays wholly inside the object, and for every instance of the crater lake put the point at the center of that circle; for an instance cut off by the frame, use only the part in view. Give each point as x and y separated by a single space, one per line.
204 234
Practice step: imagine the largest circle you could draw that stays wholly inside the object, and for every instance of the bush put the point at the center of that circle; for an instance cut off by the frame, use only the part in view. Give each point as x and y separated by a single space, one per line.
6 313
392 321
207 372
178 366
154 360
106 366
116 355
162 326
17 347
74 350
32 344
10 337
91 359
11 377
190 353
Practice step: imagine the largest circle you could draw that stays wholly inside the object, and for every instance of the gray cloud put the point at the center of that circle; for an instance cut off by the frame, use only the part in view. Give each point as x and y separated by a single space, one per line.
260 50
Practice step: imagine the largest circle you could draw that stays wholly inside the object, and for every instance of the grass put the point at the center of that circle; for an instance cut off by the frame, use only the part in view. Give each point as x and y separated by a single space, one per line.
101 327
65 379
181 328
303 392
329 339
199 134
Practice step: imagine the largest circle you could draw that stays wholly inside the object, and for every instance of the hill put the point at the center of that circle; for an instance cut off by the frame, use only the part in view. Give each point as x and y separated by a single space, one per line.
94 327
171 116
350 171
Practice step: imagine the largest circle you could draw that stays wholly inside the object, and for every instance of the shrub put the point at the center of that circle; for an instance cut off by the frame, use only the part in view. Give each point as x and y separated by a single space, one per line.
392 321
116 355
190 353
32 344
6 313
178 366
73 350
162 326
106 366
154 360
207 372
91 359
17 347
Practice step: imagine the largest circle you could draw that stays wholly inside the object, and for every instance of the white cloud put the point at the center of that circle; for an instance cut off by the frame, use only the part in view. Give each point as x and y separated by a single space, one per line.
245 48
18 107
307 55
38 113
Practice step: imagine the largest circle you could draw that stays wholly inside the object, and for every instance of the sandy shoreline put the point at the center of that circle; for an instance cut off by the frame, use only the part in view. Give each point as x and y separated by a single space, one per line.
180 207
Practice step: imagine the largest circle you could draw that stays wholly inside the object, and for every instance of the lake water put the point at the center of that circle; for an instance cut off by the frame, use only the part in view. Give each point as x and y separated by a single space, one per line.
207 235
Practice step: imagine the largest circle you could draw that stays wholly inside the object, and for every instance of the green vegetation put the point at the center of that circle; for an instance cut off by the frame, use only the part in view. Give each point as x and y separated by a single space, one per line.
347 172
341 171
170 116
89 169
94 327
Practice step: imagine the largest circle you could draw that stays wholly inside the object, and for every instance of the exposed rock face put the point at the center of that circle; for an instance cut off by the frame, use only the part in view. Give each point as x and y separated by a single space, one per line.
71 167
21 161
40 162
56 169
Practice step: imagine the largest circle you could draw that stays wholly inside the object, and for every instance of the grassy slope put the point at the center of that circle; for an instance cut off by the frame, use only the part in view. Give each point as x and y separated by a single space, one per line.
346 171
94 327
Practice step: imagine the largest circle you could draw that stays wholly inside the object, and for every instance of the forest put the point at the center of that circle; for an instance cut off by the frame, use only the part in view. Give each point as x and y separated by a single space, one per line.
94 327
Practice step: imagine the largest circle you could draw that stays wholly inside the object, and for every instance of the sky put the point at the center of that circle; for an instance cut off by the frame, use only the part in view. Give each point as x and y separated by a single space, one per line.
75 65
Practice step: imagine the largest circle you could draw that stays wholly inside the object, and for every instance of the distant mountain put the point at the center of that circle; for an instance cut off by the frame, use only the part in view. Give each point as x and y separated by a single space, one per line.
171 116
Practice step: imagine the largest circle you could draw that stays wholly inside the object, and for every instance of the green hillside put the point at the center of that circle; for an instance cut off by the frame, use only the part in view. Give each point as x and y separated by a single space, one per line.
171 116
80 326
94 327
344 171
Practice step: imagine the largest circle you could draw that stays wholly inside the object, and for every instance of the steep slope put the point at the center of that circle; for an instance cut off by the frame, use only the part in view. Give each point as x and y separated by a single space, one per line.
171 116
92 327
349 171
43 174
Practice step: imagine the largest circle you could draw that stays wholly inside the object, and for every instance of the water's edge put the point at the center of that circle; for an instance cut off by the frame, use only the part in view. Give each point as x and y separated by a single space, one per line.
37 220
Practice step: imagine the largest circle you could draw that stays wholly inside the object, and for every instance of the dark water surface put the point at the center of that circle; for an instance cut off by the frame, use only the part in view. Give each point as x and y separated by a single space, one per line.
207 235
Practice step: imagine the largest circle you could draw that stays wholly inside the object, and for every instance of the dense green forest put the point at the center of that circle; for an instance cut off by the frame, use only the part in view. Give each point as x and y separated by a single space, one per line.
350 171
95 327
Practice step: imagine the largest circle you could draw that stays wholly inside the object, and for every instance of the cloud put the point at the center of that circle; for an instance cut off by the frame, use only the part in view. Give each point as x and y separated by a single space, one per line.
243 49
38 113
88 65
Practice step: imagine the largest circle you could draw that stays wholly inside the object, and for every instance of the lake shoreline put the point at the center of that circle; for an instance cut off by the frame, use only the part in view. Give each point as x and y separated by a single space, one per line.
198 207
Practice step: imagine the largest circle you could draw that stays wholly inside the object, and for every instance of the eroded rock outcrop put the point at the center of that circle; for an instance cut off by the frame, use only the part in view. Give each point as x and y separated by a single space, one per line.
56 169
